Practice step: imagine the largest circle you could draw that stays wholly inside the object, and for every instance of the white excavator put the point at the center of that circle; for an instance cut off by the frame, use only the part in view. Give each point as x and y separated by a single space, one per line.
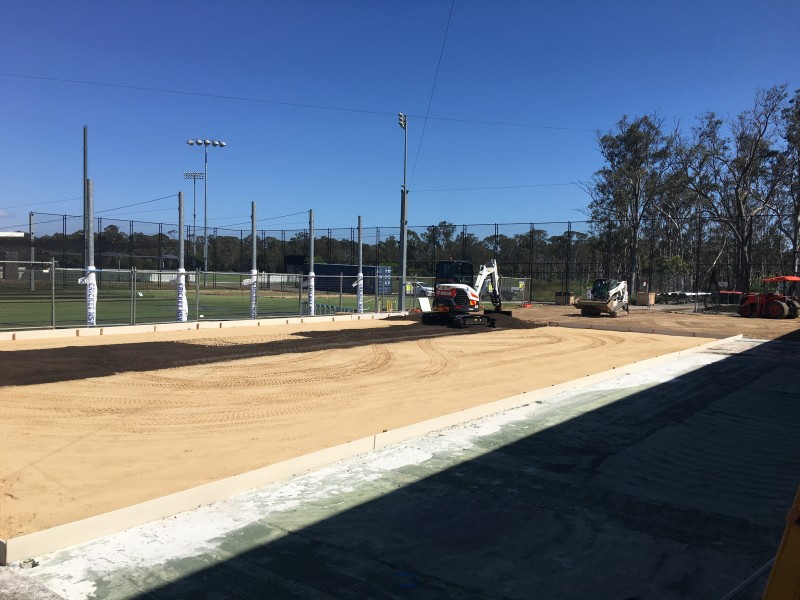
456 299
607 296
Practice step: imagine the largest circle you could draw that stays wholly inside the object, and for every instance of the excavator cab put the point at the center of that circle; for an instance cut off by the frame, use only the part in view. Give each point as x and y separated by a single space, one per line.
454 271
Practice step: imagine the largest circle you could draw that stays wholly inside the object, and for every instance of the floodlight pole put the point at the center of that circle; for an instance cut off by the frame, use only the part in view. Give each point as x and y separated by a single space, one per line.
194 176
205 144
403 121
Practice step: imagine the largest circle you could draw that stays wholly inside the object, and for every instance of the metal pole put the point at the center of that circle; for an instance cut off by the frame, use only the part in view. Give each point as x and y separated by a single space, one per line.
403 218
253 267
194 220
311 262
90 221
52 292
181 233
33 251
253 248
91 279
205 213
360 282
183 303
569 258
85 191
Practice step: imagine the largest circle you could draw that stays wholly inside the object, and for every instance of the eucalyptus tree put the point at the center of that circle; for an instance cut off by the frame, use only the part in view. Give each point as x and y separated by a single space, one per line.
788 199
737 176
440 238
638 174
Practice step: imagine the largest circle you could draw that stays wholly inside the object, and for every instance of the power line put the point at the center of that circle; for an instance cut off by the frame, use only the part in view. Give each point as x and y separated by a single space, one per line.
40 203
499 187
305 212
511 124
291 104
433 89
199 94
136 204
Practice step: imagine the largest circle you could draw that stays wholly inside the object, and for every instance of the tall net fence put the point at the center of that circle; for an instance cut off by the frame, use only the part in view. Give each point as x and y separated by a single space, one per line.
539 262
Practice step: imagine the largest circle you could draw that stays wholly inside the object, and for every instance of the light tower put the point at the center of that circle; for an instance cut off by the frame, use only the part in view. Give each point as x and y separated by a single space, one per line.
205 144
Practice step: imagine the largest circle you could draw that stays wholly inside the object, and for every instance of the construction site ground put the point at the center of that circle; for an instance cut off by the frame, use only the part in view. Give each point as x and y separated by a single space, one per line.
668 483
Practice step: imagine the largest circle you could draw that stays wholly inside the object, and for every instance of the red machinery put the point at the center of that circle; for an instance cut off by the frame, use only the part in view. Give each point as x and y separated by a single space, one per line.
781 304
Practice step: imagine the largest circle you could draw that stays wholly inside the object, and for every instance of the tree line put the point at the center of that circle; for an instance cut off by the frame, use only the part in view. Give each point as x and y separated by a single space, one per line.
734 183
717 205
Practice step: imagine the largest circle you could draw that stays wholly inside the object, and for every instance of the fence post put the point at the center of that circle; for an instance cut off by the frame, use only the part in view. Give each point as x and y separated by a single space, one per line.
530 263
569 257
183 305
197 294
52 292
33 252
133 295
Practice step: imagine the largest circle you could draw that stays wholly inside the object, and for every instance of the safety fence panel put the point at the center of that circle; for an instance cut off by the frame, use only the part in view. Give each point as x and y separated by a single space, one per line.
26 295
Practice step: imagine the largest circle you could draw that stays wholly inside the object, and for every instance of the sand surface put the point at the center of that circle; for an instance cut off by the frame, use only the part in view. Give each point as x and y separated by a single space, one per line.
94 424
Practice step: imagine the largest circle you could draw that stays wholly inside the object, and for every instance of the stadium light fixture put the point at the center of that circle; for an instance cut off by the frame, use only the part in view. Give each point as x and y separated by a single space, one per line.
205 144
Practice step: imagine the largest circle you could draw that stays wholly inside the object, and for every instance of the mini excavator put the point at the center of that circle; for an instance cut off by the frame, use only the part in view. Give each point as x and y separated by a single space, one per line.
457 300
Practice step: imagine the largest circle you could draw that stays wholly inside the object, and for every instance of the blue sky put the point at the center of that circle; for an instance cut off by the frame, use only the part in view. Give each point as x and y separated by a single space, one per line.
306 95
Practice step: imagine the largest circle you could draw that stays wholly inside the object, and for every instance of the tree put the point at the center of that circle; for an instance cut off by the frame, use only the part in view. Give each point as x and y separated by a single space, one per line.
737 178
440 239
788 198
639 173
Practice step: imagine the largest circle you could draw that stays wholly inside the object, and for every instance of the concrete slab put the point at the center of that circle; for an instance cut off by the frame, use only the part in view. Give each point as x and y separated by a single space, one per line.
669 483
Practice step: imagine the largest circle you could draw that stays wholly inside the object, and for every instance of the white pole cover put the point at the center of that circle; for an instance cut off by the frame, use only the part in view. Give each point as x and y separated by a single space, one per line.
254 294
360 293
311 293
90 281
183 302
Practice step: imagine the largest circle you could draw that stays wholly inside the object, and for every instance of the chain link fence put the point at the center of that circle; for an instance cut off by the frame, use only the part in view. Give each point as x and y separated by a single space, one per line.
538 262
42 295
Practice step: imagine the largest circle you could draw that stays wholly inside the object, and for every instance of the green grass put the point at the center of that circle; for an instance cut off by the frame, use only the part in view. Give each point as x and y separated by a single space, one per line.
121 307
222 298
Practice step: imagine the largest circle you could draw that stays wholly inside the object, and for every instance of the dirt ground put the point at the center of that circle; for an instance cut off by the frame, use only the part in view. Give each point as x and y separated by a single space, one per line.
98 423
673 319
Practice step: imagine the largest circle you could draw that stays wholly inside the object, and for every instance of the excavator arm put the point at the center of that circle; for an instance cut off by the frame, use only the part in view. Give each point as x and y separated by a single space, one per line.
490 271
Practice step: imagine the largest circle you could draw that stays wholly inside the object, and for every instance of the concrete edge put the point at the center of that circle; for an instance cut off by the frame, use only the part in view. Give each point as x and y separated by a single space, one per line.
37 334
70 534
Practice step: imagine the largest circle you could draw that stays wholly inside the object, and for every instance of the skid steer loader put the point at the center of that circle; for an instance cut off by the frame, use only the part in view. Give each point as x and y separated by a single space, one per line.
608 296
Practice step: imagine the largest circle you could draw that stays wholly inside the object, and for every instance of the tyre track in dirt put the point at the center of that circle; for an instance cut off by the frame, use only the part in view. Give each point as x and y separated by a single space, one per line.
167 415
